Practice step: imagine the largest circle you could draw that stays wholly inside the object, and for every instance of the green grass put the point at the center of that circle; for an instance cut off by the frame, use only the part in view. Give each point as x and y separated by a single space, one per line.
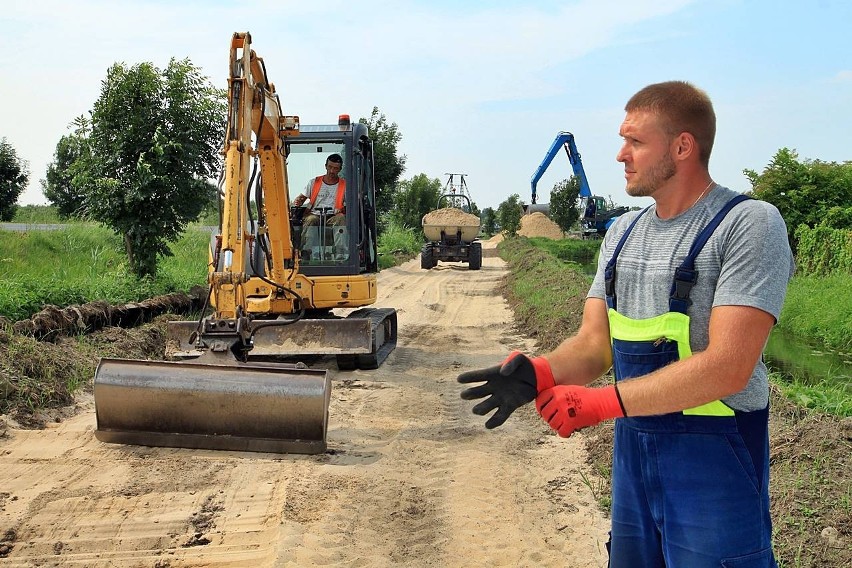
36 214
550 291
819 310
398 243
578 251
826 396
82 263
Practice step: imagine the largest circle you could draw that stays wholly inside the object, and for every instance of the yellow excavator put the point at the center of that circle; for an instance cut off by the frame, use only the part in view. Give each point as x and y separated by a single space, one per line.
237 379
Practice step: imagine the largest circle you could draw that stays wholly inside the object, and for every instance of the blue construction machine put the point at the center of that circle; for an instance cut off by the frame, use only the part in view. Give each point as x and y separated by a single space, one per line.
597 214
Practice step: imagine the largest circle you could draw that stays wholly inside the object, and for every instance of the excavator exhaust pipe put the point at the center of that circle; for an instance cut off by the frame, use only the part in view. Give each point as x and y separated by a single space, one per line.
246 407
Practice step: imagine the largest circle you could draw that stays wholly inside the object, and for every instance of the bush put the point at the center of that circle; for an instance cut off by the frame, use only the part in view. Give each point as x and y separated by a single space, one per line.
823 250
398 243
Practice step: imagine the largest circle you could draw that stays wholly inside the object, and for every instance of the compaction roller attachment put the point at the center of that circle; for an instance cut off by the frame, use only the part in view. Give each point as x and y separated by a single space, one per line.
219 407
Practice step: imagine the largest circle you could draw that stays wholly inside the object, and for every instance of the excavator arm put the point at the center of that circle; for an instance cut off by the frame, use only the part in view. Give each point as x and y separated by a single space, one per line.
254 110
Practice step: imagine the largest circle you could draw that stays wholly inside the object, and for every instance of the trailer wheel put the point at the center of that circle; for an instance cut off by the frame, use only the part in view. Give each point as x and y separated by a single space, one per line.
475 260
427 257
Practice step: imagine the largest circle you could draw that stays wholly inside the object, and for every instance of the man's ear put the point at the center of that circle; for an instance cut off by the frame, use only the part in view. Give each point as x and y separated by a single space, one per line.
684 146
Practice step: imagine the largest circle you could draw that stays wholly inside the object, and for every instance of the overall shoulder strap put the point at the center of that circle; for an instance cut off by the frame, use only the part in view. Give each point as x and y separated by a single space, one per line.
609 271
686 275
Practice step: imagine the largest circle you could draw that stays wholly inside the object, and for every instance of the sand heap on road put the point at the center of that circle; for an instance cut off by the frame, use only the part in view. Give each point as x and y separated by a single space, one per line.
540 225
450 216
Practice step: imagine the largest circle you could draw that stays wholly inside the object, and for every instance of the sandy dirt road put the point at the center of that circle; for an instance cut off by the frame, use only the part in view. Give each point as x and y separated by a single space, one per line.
411 478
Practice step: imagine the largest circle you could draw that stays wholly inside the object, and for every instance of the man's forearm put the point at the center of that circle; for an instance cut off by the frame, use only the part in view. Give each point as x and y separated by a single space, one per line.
680 385
587 355
580 360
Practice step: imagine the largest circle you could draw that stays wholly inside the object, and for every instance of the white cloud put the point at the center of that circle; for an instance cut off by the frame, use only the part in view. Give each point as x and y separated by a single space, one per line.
844 76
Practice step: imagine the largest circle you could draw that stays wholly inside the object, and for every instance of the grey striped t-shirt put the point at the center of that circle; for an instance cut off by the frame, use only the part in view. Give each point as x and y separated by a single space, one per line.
746 262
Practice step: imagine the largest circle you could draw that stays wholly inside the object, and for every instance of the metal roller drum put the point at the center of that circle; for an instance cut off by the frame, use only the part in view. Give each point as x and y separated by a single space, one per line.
220 407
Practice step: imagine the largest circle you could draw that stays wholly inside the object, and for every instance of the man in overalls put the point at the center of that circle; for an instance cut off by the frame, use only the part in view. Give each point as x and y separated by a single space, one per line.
685 295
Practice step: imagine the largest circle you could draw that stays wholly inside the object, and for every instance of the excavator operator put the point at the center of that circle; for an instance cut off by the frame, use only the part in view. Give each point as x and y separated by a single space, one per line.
325 202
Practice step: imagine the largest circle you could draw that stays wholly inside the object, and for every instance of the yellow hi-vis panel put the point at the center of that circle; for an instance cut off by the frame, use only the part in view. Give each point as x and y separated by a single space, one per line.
670 325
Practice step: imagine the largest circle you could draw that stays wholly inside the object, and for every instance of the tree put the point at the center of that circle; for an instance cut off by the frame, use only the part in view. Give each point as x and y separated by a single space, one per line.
58 186
14 176
806 192
489 221
509 215
414 198
389 166
563 203
154 142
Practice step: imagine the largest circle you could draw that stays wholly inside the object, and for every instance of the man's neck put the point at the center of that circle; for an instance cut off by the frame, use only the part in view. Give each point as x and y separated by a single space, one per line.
681 195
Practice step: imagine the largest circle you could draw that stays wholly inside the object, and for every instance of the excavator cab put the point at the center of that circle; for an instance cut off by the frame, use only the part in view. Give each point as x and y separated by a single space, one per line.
334 242
598 216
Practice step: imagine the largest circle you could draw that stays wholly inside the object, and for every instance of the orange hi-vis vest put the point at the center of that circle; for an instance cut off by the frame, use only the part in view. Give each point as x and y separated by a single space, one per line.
341 192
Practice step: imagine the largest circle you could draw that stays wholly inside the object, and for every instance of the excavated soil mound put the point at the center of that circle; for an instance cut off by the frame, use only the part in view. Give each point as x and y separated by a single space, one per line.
53 322
450 216
539 225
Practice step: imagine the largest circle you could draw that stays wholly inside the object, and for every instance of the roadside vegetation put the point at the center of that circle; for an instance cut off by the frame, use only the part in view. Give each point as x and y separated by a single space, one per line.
85 262
398 244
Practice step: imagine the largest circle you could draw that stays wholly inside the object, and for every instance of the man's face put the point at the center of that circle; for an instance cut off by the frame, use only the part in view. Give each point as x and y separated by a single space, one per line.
333 169
645 153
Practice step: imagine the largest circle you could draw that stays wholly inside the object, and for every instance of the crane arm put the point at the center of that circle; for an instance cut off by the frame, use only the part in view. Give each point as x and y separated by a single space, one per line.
564 140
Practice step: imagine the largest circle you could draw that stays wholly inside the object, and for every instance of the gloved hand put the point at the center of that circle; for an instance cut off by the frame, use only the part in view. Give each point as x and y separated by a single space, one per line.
567 408
508 386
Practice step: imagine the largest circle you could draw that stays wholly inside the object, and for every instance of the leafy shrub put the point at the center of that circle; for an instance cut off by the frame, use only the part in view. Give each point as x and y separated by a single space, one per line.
397 242
823 250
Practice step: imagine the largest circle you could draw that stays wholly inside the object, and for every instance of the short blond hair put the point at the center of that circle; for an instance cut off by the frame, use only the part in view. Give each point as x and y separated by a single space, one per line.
682 107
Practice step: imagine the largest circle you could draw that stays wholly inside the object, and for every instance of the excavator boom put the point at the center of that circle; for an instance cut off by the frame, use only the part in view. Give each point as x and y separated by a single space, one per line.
563 140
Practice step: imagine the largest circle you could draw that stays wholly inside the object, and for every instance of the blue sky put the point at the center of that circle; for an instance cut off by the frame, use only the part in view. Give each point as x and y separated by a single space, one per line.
480 88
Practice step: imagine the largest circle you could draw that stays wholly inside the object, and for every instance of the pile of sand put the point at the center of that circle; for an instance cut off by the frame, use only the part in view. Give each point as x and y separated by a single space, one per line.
450 216
539 225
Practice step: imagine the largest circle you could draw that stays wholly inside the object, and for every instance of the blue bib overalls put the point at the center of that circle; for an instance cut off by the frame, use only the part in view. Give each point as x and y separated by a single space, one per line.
689 489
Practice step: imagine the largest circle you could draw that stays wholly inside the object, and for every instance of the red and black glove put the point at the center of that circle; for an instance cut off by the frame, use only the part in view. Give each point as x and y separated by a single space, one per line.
508 386
568 408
